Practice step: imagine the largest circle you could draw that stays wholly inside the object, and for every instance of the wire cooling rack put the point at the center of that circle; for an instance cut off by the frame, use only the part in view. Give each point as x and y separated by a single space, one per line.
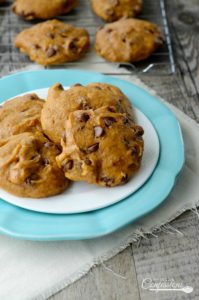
160 63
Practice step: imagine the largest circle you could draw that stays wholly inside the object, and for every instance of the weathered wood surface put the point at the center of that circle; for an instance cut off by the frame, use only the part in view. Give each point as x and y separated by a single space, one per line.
170 255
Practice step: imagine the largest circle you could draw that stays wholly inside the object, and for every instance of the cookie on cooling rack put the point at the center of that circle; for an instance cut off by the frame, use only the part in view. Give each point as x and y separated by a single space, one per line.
61 102
42 9
20 115
28 166
100 147
53 42
112 10
128 40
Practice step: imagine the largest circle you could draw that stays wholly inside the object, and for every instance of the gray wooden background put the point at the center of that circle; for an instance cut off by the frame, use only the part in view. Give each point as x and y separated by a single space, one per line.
174 256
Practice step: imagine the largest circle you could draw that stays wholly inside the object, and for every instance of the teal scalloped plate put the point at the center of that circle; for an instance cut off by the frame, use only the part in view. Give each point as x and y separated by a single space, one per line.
25 224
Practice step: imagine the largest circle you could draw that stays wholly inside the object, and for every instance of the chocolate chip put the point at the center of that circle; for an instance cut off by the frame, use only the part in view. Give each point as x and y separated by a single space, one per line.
93 148
68 165
73 45
99 131
112 108
83 117
109 181
125 121
124 179
36 46
139 131
48 144
77 84
109 30
50 35
51 51
88 161
134 151
109 121
32 97
46 161
124 40
59 87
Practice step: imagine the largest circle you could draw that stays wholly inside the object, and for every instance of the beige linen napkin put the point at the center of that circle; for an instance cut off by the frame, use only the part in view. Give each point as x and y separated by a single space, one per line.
36 270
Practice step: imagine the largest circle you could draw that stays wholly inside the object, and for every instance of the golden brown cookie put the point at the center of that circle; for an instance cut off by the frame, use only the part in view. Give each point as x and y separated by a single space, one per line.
100 147
112 10
61 102
20 115
53 42
128 40
42 9
28 166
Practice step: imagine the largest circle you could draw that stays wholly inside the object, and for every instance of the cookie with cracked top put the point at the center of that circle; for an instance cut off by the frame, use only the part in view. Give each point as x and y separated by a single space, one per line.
100 147
128 40
28 166
53 42
61 102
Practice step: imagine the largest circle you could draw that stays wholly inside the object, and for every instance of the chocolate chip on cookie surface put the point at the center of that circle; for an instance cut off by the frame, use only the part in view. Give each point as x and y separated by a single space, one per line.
112 10
21 114
61 102
28 166
42 9
53 42
128 40
103 149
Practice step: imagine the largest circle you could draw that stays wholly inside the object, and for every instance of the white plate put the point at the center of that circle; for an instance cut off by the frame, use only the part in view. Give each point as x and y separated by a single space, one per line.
82 197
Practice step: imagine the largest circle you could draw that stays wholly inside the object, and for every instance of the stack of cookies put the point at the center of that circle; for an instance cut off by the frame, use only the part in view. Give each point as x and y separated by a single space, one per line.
53 42
84 133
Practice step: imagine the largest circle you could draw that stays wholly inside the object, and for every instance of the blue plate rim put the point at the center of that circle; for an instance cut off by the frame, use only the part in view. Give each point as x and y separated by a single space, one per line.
80 226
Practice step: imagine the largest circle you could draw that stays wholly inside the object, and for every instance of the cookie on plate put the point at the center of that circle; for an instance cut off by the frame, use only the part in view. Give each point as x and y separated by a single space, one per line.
100 147
28 166
20 115
128 40
61 102
53 42
42 9
112 10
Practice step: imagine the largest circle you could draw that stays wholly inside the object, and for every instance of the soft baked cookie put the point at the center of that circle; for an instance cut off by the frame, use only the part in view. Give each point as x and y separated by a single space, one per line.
61 102
100 147
128 40
20 115
28 166
42 9
53 42
112 10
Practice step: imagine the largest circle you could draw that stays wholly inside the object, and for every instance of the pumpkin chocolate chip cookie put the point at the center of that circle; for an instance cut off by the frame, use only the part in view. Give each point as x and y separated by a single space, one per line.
28 166
112 10
61 102
20 115
42 9
128 40
100 147
53 42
